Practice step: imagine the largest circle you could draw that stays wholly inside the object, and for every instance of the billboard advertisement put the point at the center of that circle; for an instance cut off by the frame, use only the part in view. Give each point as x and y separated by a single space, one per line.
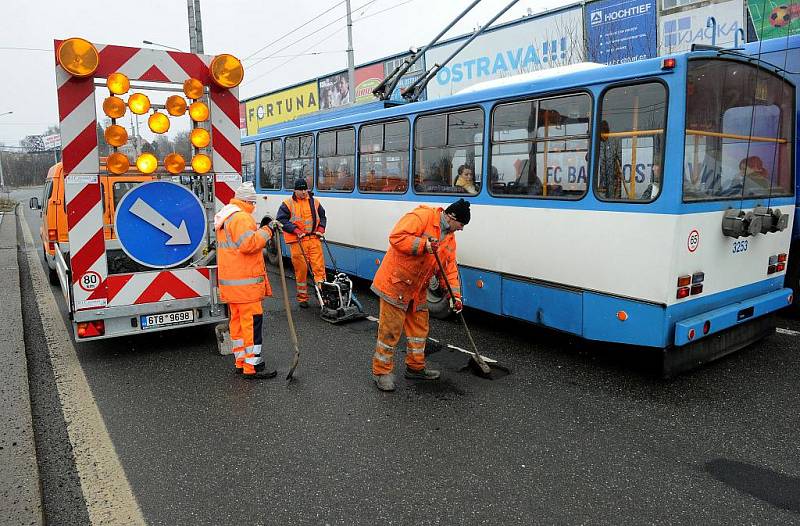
542 42
680 30
775 18
619 31
414 72
334 91
367 79
281 106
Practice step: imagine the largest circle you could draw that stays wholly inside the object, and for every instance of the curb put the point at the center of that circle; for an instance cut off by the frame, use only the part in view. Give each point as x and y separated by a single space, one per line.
20 488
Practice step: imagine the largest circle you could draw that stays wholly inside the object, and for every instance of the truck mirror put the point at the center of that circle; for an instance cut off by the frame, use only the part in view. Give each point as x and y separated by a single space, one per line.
34 204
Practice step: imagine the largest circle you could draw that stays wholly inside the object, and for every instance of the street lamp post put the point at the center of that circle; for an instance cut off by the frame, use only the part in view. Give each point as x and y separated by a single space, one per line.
2 180
161 45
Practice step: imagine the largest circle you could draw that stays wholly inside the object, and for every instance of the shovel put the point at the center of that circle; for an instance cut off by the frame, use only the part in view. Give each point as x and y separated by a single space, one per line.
292 331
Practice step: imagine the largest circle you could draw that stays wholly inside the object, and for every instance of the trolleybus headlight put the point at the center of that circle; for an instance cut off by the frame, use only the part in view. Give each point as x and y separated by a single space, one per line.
174 163
117 163
114 107
226 71
116 135
198 111
193 88
158 122
118 83
78 56
200 137
201 163
176 105
147 163
139 103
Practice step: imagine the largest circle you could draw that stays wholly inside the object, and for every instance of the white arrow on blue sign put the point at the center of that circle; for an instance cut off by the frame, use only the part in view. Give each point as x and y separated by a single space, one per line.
160 224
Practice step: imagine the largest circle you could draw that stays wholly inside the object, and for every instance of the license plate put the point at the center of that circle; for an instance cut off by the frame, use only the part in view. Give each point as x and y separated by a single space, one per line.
152 321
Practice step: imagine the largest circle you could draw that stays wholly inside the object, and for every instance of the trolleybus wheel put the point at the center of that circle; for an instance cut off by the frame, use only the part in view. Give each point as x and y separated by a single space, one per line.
271 252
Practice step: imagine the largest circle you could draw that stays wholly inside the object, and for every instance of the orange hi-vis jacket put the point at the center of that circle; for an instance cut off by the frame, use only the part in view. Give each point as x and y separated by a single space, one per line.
407 268
242 275
296 214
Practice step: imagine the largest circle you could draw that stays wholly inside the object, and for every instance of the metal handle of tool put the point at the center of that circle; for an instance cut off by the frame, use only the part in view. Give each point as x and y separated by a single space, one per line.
292 331
330 255
476 355
310 271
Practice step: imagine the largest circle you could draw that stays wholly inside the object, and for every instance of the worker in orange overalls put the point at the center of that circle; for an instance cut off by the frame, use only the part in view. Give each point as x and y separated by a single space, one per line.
243 280
303 221
402 285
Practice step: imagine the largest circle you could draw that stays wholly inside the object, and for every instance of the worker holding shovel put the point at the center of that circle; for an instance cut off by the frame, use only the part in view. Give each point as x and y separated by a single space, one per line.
401 282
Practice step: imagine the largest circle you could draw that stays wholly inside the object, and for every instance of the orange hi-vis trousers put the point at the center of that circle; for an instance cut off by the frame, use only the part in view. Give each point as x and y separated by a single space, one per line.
313 249
245 324
393 321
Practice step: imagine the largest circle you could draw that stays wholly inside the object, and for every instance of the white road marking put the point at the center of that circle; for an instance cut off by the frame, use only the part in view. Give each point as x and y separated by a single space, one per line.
485 358
108 495
781 330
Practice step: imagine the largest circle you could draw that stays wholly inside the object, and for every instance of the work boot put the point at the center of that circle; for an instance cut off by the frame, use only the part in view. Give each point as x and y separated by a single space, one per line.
385 382
262 373
422 374
303 304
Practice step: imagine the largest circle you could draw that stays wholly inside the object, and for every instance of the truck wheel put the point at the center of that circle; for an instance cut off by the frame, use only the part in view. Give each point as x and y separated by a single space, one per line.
438 306
52 275
271 252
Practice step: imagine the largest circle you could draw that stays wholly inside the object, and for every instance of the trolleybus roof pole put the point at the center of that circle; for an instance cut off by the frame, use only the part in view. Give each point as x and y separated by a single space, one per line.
413 92
384 90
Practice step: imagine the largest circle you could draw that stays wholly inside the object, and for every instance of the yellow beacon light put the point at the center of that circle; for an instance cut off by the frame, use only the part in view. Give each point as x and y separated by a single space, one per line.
193 88
226 71
201 163
174 163
116 135
198 111
139 103
114 107
117 163
147 163
158 122
176 105
118 84
200 137
78 56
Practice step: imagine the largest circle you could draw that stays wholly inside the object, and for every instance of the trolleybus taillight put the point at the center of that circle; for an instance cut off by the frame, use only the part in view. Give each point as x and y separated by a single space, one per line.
690 285
776 263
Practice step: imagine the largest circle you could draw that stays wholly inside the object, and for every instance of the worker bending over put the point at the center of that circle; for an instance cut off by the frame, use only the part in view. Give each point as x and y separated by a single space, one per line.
303 221
243 280
402 285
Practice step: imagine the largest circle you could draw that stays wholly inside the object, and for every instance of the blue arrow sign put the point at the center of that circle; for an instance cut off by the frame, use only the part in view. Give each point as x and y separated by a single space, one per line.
160 224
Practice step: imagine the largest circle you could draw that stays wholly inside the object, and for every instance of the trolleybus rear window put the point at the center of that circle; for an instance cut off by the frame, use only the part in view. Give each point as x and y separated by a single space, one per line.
271 163
738 132
630 148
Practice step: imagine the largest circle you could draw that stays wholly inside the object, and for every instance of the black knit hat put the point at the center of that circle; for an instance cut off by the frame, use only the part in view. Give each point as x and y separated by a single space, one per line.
459 210
300 184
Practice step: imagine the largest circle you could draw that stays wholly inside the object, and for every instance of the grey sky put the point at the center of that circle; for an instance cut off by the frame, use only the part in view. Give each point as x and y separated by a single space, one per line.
238 27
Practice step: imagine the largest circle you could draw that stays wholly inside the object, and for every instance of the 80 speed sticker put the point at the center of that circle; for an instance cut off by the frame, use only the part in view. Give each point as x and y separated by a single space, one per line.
89 281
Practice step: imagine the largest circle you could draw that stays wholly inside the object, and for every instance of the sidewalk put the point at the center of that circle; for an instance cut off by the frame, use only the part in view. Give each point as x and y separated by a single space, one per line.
20 490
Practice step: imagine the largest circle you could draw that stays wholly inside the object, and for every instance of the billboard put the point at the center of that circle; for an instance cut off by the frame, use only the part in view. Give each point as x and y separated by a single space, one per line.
281 106
334 91
541 42
411 76
367 79
680 30
775 18
619 31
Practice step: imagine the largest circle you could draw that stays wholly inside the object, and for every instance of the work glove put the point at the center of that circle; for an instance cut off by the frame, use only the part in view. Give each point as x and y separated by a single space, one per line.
456 305
265 221
431 245
320 231
299 233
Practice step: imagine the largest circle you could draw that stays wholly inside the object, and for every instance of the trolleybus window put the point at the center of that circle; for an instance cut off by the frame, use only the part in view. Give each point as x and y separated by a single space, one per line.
540 147
248 161
383 157
738 132
630 148
270 177
299 156
448 151
336 160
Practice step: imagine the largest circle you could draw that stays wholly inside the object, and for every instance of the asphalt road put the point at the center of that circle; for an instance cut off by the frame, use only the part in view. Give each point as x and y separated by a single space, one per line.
577 433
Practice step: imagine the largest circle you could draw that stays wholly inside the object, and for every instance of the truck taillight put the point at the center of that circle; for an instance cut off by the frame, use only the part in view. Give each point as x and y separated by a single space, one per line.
88 329
52 234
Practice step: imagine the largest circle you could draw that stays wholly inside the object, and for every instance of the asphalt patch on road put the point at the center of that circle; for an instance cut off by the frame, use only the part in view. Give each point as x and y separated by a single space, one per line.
459 362
770 486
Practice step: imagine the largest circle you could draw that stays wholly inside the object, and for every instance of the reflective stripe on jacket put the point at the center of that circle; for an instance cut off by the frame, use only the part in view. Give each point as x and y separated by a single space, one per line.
242 275
305 214
407 268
